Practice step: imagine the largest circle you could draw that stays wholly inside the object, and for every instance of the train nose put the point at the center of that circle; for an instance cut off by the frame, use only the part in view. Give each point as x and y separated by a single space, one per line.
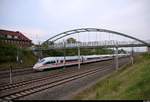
36 66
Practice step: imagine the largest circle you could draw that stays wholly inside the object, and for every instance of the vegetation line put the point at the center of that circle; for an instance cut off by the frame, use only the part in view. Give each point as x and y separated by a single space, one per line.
129 83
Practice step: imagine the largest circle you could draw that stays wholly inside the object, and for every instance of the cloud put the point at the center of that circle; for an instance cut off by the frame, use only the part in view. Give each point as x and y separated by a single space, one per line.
49 17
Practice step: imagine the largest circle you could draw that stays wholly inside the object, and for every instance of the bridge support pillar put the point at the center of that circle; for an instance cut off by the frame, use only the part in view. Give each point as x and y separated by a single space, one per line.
132 56
64 54
78 56
116 58
148 49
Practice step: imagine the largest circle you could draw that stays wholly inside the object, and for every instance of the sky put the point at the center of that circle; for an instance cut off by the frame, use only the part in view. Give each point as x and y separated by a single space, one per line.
42 19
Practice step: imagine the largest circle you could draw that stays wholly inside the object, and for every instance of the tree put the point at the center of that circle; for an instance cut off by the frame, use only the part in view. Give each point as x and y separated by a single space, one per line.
71 40
122 51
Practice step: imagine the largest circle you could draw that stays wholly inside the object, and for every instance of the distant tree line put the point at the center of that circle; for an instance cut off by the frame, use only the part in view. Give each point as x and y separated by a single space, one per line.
11 53
74 51
7 53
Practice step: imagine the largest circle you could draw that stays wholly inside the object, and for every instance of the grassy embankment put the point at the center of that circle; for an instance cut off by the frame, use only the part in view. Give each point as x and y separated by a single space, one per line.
129 83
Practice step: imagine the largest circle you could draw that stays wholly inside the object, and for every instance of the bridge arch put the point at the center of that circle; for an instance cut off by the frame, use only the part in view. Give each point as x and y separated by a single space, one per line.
75 31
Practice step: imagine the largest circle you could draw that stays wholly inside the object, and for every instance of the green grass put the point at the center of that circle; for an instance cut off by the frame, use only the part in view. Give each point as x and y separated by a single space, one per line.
129 83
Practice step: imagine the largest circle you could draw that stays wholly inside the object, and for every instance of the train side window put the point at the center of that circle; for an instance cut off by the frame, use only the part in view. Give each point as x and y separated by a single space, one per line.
47 63
61 61
50 62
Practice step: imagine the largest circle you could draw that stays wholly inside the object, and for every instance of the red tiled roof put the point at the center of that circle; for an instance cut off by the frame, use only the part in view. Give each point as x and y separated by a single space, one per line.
15 33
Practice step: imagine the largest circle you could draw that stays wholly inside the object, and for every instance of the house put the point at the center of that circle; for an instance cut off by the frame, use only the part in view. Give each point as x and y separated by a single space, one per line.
14 38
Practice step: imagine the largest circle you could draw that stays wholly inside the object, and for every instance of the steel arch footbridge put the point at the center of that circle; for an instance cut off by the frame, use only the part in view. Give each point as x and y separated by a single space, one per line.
53 39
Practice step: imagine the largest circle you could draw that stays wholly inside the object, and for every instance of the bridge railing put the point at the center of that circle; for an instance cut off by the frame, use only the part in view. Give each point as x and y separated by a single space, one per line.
95 43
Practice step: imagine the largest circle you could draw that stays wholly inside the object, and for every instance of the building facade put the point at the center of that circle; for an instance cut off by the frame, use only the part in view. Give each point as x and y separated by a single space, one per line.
14 38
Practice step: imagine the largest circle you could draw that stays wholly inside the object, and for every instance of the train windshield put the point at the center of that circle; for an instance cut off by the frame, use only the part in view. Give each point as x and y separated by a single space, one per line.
40 61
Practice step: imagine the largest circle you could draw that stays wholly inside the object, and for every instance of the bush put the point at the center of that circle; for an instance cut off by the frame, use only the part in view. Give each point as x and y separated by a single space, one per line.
8 53
74 51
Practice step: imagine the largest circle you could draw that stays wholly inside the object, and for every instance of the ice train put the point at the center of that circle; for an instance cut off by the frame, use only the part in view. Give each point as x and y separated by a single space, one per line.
54 62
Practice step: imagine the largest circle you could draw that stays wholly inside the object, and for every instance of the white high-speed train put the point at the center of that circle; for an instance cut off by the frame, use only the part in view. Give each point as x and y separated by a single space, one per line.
54 62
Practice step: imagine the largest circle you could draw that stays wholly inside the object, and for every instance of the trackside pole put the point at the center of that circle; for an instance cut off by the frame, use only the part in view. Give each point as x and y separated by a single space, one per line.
78 56
148 49
117 66
64 54
113 56
10 74
113 62
132 60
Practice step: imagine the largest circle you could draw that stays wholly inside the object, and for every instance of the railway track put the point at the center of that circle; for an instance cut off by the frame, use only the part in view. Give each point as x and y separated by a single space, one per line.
51 75
34 89
5 85
54 74
24 71
47 85
16 72
22 83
